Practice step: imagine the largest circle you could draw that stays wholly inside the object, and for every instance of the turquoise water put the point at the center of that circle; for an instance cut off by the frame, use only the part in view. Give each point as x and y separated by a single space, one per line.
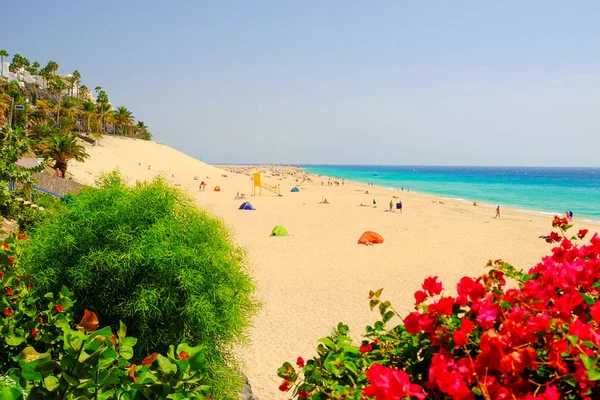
547 190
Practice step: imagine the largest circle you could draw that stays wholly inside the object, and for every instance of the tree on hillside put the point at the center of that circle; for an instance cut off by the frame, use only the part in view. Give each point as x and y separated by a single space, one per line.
61 147
73 80
17 63
103 106
89 110
57 85
98 89
34 69
52 67
142 131
3 53
82 92
14 144
124 118
46 75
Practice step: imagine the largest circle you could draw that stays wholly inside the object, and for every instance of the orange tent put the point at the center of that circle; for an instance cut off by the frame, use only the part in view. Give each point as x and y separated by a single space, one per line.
217 189
370 237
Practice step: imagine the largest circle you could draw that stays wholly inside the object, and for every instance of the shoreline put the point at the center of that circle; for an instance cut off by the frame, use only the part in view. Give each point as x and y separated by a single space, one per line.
436 196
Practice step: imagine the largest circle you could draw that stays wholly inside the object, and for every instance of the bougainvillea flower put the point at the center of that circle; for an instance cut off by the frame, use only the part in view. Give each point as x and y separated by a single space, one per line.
387 383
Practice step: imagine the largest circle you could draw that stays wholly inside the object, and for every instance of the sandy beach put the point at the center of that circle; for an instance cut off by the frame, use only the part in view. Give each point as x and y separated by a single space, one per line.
319 275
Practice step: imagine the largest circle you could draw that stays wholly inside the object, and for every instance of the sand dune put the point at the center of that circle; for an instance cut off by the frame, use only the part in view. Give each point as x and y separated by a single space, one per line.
319 275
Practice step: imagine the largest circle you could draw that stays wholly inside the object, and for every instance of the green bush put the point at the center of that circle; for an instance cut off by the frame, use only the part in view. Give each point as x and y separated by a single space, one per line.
149 257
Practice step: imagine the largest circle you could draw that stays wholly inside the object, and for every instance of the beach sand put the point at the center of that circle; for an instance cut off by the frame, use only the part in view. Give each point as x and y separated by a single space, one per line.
319 275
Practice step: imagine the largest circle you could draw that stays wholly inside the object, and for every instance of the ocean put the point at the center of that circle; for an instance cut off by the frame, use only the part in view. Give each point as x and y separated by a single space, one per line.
544 190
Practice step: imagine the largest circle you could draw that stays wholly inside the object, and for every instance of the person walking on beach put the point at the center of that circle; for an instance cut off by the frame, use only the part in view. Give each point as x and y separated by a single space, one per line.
374 204
497 212
400 206
391 205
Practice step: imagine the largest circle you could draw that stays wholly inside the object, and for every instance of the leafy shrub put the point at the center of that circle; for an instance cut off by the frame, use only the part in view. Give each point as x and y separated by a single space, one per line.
149 257
536 339
42 357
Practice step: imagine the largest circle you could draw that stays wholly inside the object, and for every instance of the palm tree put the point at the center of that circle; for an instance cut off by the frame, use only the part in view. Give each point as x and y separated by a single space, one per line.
62 147
3 53
143 131
103 105
45 73
82 92
58 85
73 80
17 63
34 69
52 67
89 109
124 118
97 89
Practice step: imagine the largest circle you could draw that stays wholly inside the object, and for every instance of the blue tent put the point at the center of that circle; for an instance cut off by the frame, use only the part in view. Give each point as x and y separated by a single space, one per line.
295 189
247 206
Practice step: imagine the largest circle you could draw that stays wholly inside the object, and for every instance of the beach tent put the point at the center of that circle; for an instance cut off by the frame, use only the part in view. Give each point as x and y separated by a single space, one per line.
295 189
217 189
247 206
370 237
279 231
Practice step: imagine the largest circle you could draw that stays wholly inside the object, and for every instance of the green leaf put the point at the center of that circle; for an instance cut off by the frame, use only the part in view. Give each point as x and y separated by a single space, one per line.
594 374
373 303
51 383
129 341
588 300
8 393
13 340
351 367
122 331
327 342
166 366
126 352
588 362
71 380
29 354
573 339
388 315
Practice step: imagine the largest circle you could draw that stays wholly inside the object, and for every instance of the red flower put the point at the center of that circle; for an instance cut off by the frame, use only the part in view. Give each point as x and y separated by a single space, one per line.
366 348
34 333
11 258
5 245
8 311
389 383
285 386
432 286
300 362
460 336
303 394
184 356
420 296
58 308
553 238
9 291
21 237
595 311
581 234
443 306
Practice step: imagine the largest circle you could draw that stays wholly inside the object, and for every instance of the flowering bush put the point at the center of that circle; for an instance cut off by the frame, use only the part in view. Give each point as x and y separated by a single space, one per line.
43 357
535 339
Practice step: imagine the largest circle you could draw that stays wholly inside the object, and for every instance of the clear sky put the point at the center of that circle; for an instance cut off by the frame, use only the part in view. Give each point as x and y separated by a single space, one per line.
337 82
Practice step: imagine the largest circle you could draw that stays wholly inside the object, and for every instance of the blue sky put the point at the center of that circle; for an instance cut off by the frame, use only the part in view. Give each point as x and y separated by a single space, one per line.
339 82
